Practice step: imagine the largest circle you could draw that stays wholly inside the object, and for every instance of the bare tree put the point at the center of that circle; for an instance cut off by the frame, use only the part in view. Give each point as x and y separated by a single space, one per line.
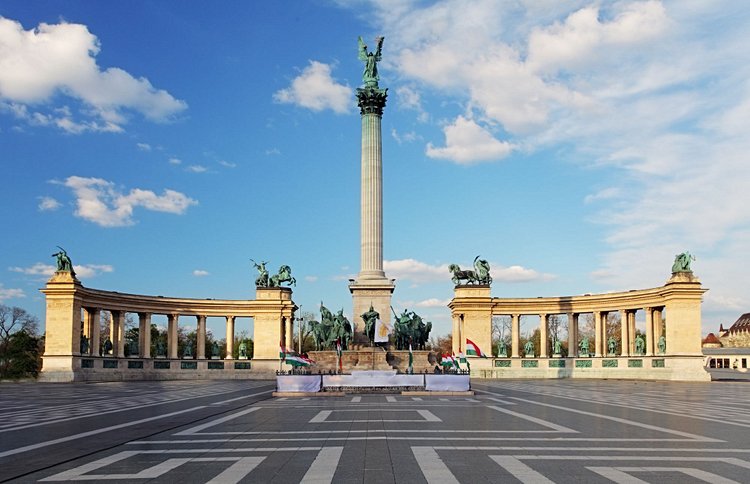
305 329
16 319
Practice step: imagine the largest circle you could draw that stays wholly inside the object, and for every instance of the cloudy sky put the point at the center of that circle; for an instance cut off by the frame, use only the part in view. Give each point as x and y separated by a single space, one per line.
576 145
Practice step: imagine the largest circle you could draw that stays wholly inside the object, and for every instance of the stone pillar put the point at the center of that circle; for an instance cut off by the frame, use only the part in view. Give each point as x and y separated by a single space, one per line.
455 334
144 334
572 334
598 333
515 338
230 338
371 287
631 331
62 327
200 338
543 340
288 333
93 329
624 333
172 322
472 306
656 319
117 333
649 332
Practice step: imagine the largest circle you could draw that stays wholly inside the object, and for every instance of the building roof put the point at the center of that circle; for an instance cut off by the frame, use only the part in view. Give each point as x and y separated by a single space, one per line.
742 324
711 339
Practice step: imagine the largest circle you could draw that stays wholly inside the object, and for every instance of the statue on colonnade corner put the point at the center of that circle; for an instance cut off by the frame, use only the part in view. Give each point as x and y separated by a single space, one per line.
64 264
682 262
284 275
480 274
370 74
262 279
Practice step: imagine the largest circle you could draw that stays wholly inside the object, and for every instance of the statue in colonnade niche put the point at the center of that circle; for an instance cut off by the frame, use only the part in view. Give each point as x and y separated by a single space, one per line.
557 347
611 346
188 351
662 344
215 350
284 275
640 345
84 345
161 350
262 279
682 262
528 349
502 349
243 350
480 274
108 346
64 264
584 347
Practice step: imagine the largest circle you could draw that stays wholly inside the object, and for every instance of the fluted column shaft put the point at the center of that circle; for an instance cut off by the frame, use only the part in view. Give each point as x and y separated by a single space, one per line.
144 334
371 236
515 335
543 340
230 337
172 321
200 338
572 334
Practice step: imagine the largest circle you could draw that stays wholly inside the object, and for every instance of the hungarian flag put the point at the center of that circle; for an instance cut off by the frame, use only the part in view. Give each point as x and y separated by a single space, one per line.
445 360
282 353
455 362
473 350
462 359
411 360
296 361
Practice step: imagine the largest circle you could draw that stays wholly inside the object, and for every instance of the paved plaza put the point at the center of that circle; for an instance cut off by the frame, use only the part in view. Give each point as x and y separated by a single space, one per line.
510 431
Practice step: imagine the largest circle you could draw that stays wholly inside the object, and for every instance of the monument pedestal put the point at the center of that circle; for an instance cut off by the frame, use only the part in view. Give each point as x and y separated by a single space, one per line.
367 292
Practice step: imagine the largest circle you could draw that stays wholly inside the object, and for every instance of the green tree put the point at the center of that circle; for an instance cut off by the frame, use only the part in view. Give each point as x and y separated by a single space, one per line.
20 346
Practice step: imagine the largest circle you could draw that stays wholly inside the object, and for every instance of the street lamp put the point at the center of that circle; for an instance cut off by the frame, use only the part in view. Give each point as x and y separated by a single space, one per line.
299 331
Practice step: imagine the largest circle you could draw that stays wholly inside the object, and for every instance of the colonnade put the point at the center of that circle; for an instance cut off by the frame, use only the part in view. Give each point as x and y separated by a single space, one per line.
676 305
74 311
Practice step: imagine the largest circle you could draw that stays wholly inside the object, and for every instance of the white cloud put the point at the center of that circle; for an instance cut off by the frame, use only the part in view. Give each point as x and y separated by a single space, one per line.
99 201
273 151
227 164
467 142
53 59
10 293
84 271
517 273
604 194
143 146
432 303
311 278
415 271
48 204
196 169
316 90
175 161
200 273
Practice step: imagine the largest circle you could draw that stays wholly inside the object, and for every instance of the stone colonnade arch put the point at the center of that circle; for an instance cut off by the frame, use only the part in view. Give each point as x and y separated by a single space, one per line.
679 301
272 312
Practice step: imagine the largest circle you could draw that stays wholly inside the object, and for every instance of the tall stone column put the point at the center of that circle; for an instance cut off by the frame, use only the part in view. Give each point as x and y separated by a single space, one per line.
288 333
597 333
230 337
515 335
371 287
172 322
117 333
625 332
543 339
572 334
144 334
649 332
200 338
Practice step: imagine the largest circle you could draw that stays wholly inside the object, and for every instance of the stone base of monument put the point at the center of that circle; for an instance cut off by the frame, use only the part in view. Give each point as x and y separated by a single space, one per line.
372 358
370 381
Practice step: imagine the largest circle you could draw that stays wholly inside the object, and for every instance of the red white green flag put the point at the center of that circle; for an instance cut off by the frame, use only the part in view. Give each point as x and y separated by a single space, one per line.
282 353
473 350
445 360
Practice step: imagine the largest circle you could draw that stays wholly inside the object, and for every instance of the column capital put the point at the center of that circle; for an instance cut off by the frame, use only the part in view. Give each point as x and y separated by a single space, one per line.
371 100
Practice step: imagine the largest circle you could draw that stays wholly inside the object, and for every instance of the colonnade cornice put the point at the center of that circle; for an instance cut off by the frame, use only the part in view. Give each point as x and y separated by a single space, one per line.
135 303
589 303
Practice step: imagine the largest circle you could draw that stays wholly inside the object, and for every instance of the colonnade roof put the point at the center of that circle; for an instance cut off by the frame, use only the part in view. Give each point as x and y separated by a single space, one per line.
654 298
275 300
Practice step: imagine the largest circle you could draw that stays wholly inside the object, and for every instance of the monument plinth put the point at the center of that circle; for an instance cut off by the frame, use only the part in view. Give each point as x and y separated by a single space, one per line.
371 287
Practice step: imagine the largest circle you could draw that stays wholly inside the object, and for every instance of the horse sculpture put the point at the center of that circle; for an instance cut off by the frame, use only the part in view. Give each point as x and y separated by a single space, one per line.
284 275
480 274
331 328
410 328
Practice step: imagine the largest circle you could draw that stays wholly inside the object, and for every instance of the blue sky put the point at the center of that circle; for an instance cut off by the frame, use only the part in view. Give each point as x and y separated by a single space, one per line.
578 146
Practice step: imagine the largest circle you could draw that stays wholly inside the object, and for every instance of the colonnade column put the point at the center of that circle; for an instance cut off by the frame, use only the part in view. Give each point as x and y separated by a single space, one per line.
93 329
288 333
172 321
543 336
230 338
656 321
631 331
649 332
515 335
200 338
117 333
572 334
144 334
624 332
598 333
